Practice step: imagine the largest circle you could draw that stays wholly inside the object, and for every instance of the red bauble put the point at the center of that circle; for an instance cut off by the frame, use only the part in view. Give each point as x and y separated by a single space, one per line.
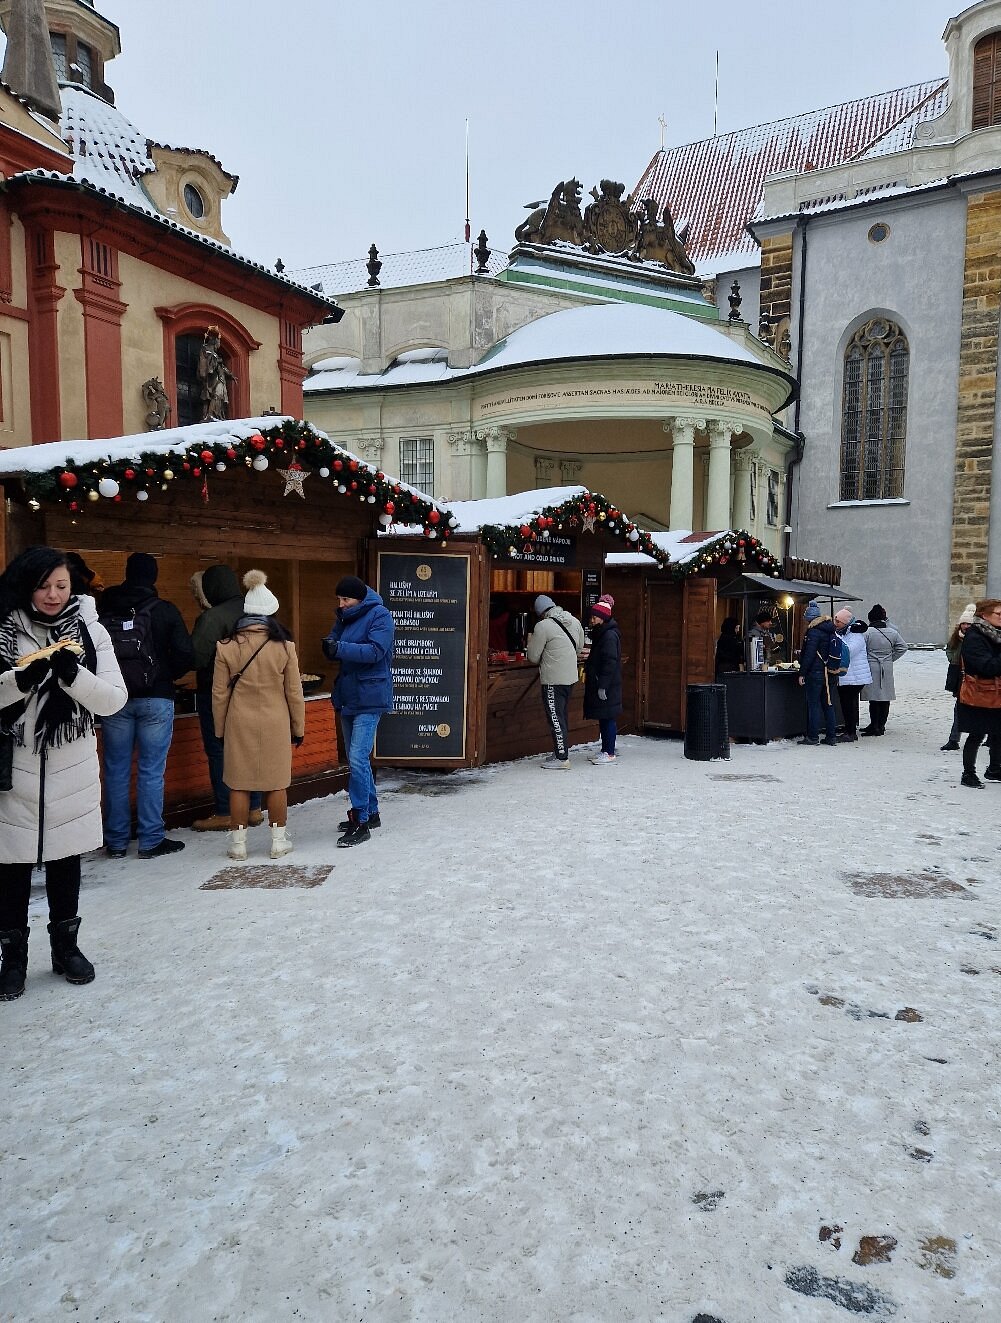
150 473
74 506
117 498
353 466
196 471
68 480
257 441
353 487
129 474
338 464
389 507
231 453
302 445
279 444
186 467
207 457
434 517
525 531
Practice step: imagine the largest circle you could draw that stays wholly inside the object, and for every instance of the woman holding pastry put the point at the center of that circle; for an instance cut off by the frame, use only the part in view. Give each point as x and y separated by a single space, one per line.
57 673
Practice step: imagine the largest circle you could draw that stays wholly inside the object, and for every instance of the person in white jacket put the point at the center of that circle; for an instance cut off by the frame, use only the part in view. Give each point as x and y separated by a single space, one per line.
555 645
51 812
858 675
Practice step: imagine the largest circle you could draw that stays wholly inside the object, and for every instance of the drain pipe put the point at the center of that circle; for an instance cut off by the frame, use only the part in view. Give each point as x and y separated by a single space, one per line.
796 457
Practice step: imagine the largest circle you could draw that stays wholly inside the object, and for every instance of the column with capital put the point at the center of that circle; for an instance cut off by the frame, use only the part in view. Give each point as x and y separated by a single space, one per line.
469 465
745 474
718 496
682 470
496 439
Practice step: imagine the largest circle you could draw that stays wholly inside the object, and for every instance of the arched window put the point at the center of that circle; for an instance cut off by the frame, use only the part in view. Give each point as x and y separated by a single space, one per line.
874 413
987 81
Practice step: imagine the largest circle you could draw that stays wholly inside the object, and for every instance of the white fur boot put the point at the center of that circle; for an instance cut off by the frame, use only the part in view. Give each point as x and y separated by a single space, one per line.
280 843
238 843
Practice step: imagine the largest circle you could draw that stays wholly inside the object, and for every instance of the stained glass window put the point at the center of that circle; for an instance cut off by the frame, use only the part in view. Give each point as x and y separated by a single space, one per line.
874 413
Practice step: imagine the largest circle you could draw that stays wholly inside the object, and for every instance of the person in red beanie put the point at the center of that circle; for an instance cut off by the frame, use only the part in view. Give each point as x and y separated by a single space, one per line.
603 677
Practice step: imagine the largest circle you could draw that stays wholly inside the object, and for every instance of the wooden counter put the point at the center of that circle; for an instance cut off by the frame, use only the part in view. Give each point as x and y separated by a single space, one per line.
516 722
316 765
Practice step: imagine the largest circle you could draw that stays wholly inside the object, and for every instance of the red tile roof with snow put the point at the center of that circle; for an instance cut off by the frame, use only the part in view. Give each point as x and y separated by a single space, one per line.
715 185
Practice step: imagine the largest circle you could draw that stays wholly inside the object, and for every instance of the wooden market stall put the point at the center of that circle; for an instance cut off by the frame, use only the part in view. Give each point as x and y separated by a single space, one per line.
270 493
465 693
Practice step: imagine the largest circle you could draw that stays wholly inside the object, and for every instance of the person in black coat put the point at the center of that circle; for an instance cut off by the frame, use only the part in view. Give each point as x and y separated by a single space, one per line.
729 648
603 677
146 722
980 655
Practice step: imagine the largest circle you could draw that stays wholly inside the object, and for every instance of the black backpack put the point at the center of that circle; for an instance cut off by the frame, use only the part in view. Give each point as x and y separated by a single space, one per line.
132 639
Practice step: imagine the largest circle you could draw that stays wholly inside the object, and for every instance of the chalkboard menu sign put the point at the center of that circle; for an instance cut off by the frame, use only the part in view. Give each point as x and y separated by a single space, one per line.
428 595
590 592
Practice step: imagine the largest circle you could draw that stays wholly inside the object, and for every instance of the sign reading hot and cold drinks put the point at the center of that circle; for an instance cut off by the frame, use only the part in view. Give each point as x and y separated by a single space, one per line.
428 595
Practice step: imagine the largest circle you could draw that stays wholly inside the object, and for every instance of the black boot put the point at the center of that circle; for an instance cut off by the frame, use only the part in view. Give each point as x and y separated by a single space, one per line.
356 834
352 819
14 969
67 958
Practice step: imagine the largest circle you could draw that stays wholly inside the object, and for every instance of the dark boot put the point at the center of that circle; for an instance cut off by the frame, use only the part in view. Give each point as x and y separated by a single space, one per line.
14 969
352 818
356 834
67 958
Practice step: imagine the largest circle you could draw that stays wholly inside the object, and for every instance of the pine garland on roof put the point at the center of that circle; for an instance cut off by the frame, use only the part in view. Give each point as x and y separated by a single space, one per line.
735 547
583 513
295 449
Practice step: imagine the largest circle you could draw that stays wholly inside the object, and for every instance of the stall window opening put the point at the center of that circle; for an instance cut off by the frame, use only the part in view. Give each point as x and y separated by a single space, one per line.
417 462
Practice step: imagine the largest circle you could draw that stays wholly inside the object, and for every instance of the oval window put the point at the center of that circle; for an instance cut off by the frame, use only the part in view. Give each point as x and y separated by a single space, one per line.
194 201
879 232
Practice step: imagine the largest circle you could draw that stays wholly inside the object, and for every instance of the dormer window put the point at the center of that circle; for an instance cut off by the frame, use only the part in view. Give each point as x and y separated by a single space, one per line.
84 65
987 81
58 43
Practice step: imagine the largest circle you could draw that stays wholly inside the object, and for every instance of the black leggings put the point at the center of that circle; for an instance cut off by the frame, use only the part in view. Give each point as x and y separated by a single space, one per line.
971 748
62 886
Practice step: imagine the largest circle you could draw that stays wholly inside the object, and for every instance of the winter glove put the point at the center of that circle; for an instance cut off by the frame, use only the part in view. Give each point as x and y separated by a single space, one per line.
602 695
329 647
27 677
297 740
65 666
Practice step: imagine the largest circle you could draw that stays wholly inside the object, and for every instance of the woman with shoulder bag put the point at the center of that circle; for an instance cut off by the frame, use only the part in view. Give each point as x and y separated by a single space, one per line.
259 714
603 678
57 673
980 692
954 672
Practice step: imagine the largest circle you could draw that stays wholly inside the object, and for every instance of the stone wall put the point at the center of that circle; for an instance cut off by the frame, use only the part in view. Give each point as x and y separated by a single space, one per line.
978 363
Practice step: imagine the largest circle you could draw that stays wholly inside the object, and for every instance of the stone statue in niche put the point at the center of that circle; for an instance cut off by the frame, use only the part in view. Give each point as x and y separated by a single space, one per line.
658 242
213 377
157 404
560 220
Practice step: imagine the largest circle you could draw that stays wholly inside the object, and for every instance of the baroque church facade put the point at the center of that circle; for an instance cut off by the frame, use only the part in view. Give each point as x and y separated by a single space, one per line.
115 270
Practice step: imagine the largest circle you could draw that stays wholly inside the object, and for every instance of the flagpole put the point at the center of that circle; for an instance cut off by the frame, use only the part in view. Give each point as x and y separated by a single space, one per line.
716 101
468 229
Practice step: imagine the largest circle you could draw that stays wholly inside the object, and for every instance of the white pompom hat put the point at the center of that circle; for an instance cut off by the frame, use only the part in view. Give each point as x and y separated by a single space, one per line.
260 600
969 611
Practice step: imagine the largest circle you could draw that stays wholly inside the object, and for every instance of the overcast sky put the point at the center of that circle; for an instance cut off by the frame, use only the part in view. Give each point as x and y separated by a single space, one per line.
345 120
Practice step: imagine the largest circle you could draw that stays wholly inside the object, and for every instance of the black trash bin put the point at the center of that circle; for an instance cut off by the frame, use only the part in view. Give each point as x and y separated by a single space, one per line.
706 734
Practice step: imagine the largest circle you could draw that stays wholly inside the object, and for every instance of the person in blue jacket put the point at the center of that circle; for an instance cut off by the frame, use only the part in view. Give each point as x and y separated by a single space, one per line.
361 640
814 677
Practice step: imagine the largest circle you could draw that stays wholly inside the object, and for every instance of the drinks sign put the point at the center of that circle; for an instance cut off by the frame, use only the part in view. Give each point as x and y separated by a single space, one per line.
428 595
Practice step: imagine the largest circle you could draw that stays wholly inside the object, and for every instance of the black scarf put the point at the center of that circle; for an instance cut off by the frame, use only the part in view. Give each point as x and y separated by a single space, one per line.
988 630
58 719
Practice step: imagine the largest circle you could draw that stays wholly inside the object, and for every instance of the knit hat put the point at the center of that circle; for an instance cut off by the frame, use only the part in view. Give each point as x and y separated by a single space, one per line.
969 611
603 608
811 613
543 604
351 586
141 570
877 614
260 600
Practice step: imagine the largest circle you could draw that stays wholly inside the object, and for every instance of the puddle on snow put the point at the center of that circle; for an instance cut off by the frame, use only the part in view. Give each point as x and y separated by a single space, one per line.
904 886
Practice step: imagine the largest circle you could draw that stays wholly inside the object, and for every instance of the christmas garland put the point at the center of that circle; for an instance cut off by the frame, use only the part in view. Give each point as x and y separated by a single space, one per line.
297 450
737 547
578 514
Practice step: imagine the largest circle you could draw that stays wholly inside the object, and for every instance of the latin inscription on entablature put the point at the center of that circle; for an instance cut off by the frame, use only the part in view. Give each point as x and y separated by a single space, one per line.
683 394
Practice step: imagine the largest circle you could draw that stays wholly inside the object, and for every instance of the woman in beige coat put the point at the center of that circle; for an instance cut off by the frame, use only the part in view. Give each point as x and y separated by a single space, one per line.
259 713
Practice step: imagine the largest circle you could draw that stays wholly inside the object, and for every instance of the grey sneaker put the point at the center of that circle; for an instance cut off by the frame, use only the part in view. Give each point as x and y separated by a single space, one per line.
554 764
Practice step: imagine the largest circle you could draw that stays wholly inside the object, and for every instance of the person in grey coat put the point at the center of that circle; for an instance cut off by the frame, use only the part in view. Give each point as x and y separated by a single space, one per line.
555 646
884 646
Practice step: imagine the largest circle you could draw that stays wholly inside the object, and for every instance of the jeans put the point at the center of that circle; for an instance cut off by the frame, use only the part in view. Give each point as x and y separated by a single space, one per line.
608 730
146 725
819 708
555 698
62 888
214 756
954 733
359 737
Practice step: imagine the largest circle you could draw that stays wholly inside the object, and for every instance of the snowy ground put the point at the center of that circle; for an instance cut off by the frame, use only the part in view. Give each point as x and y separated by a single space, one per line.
618 1044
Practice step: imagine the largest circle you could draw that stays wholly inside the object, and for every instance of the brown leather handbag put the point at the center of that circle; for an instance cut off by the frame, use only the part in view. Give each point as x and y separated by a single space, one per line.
979 691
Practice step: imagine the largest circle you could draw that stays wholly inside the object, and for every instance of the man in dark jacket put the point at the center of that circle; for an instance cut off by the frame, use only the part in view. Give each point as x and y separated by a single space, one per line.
814 677
362 641
146 722
222 590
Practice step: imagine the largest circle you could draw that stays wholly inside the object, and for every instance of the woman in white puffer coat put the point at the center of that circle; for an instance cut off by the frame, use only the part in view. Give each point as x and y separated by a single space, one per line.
51 813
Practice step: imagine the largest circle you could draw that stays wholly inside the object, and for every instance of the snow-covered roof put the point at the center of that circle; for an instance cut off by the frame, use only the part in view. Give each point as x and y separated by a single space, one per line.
716 183
111 157
607 330
425 266
506 511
